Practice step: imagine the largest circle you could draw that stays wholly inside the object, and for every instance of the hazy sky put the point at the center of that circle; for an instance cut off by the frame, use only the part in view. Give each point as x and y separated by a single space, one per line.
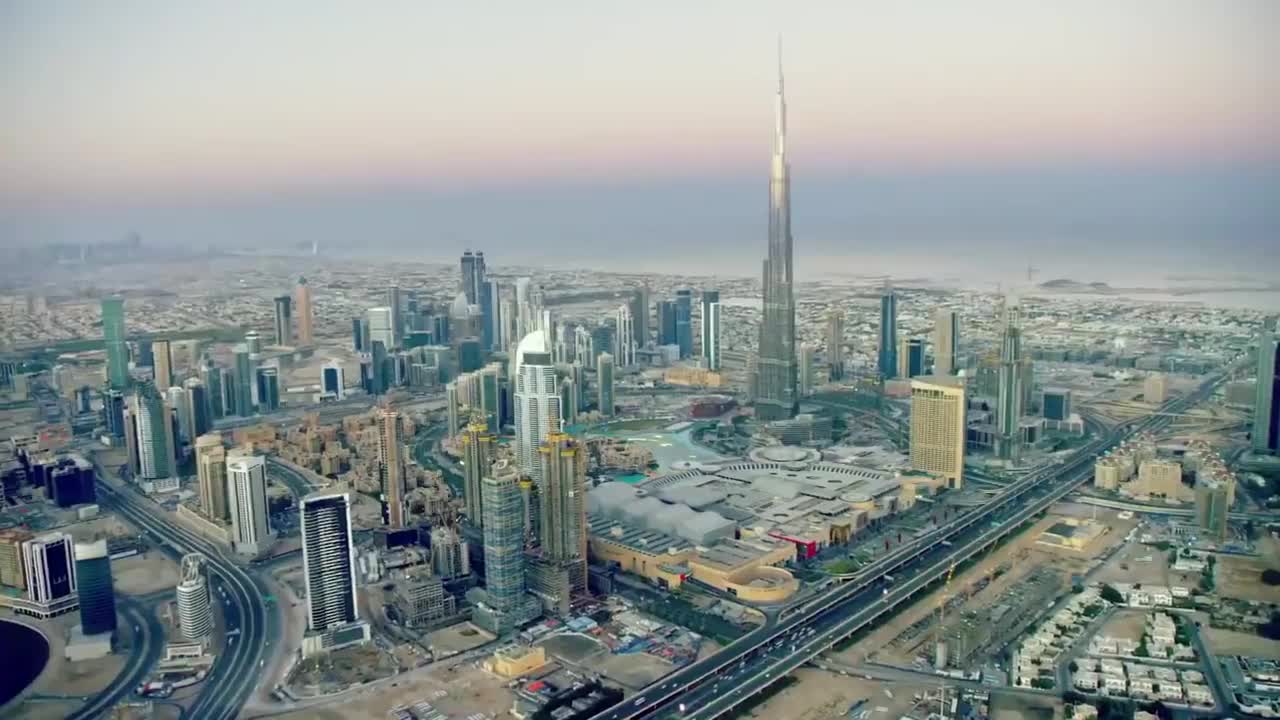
201 122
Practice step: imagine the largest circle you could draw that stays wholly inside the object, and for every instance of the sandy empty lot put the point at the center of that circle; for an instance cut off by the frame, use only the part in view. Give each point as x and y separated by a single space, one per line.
633 671
1241 577
820 695
1142 564
144 573
1009 706
573 648
1229 642
1125 624
457 638
457 693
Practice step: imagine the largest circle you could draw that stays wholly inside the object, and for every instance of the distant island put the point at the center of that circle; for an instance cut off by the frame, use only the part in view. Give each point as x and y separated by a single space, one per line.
1066 284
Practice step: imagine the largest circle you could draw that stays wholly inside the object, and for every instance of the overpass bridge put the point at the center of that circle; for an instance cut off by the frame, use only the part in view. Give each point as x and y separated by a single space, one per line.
1168 510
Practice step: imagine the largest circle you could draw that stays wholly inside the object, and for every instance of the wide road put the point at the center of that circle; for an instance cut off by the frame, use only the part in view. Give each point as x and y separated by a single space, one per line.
145 651
248 626
716 685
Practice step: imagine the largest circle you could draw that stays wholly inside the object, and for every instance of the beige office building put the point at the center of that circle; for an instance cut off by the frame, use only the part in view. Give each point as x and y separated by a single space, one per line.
211 471
1109 472
162 355
12 572
1160 478
1155 389
391 465
938 427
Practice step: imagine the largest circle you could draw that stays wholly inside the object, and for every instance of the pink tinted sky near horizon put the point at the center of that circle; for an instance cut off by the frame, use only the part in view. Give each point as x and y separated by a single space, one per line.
158 101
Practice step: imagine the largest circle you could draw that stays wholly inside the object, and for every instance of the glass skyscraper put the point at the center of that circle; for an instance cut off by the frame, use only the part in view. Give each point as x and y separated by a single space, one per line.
503 513
667 323
243 380
1011 396
113 333
93 581
888 360
328 563
1266 411
711 329
155 433
684 322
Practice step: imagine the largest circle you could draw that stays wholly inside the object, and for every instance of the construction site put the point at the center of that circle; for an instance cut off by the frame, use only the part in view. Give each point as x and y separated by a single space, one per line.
982 608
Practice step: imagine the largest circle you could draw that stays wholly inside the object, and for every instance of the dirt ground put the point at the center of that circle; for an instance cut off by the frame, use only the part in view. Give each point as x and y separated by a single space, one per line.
457 638
1010 706
1023 555
820 695
633 671
144 573
1125 624
1241 577
343 667
1131 565
458 694
56 710
572 648
1230 642
63 677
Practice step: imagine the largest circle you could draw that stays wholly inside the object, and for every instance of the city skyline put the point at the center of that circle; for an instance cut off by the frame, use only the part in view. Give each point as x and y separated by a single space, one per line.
440 360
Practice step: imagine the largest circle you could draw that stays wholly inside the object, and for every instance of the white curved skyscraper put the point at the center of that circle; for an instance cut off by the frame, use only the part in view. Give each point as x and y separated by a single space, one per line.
195 615
537 401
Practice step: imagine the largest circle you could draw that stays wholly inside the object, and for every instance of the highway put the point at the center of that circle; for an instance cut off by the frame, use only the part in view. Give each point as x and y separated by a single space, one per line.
716 685
234 674
145 651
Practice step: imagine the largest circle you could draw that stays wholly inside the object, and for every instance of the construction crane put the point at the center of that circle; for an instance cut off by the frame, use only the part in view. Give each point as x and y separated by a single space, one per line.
940 646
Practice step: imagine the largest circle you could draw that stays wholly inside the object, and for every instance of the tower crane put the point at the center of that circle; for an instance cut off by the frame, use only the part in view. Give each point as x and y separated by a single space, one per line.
942 617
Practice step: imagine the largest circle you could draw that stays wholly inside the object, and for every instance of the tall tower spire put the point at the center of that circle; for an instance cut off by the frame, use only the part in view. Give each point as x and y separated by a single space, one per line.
777 398
779 63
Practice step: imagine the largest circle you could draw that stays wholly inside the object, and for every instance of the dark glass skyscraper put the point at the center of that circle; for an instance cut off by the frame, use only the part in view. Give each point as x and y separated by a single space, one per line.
684 322
268 379
888 360
284 320
1266 411
667 323
357 334
490 298
328 564
113 333
776 379
473 276
911 358
93 581
243 378
640 315
113 412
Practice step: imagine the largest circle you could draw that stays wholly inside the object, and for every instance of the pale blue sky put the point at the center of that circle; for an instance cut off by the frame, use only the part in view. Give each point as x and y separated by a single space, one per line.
130 111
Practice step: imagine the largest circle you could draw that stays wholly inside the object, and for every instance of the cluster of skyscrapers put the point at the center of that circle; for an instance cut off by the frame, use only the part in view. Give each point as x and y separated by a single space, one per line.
50 574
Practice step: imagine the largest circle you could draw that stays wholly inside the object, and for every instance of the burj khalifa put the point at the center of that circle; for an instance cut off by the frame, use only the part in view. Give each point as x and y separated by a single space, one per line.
776 396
